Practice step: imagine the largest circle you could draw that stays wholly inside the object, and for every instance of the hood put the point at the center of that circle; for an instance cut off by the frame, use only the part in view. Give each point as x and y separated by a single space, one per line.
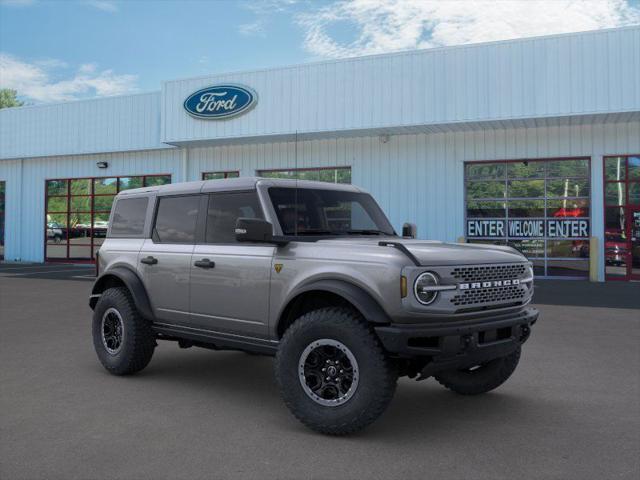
432 253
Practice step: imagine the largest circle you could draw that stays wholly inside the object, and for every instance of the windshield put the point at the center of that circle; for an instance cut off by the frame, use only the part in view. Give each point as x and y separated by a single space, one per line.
307 212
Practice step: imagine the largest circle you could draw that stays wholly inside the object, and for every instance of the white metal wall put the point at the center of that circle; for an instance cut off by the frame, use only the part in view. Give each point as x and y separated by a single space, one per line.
112 124
416 177
25 197
555 76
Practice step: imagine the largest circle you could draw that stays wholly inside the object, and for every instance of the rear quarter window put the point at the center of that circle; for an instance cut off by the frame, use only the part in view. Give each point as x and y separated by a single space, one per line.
128 217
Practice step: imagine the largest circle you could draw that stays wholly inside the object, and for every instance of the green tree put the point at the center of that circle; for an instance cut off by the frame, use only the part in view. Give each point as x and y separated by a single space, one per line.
8 98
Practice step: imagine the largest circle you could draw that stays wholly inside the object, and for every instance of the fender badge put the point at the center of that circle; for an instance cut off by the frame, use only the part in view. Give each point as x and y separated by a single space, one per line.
278 267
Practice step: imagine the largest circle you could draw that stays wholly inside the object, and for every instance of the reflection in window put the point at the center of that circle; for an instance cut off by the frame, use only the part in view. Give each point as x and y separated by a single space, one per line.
614 193
224 211
486 209
526 169
330 175
615 168
176 219
526 208
526 188
220 175
534 192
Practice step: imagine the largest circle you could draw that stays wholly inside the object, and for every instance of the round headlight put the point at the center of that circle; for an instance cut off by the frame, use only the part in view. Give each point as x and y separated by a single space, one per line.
422 288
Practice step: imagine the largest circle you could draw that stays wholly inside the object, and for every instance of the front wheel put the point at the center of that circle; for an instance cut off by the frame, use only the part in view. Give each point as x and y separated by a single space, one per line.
333 374
480 378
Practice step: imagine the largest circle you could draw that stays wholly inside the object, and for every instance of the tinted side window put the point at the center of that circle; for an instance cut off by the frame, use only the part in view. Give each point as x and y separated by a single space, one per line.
128 217
225 209
176 219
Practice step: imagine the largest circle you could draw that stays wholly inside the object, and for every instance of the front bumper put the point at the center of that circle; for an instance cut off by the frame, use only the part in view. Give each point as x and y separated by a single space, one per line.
460 344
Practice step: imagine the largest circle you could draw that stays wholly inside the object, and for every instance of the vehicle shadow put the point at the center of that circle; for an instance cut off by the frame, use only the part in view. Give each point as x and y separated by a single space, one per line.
419 409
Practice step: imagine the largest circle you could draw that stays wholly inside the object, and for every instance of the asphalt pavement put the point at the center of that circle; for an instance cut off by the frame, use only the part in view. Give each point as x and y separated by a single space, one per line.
570 411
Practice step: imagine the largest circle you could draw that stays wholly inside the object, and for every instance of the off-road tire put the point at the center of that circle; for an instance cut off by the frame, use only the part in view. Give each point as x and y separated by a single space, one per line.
487 377
138 341
377 374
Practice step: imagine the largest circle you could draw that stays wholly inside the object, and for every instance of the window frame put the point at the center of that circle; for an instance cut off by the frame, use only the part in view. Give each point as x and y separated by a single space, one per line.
545 259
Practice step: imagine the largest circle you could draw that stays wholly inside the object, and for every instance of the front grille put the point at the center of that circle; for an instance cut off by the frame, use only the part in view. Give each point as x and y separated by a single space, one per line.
509 294
488 272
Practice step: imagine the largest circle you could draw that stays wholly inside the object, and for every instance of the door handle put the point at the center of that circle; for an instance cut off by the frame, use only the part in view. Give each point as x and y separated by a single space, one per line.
149 260
204 263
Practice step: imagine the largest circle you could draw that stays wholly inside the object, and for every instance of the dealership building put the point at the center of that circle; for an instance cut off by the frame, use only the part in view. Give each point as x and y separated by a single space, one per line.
532 142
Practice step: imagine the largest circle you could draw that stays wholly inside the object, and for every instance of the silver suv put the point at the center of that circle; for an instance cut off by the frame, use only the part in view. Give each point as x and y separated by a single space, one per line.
314 274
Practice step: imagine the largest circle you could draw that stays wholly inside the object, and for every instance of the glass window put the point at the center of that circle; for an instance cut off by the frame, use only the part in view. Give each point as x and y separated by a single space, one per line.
568 208
526 169
57 187
327 212
103 203
78 212
485 171
568 188
615 168
330 175
57 204
488 189
634 193
634 168
486 209
81 186
219 175
568 268
614 193
80 204
568 168
176 219
224 211
526 208
103 186
157 180
531 205
129 183
128 218
529 248
526 188
568 248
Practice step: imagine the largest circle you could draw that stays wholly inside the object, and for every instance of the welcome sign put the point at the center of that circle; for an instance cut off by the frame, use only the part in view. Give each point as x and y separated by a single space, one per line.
219 102
528 228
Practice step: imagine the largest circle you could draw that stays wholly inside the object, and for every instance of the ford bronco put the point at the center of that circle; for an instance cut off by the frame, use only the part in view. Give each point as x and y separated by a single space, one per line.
314 274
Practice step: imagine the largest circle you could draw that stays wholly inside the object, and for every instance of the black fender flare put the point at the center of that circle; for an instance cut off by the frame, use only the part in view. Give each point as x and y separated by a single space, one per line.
133 283
354 294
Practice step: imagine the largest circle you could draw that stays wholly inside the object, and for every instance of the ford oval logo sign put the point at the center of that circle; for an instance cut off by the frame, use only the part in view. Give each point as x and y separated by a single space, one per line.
220 101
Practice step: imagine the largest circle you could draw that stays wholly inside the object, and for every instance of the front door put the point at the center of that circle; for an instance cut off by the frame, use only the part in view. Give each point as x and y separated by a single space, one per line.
230 280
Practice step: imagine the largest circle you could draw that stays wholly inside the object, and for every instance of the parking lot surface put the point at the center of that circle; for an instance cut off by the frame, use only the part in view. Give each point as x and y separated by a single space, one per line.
571 410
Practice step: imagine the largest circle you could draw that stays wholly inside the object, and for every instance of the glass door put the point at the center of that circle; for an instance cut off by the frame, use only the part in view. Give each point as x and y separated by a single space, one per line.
634 240
622 217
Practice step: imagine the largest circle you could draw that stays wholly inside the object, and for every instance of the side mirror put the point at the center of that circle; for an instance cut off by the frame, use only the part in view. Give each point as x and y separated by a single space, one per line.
253 230
409 230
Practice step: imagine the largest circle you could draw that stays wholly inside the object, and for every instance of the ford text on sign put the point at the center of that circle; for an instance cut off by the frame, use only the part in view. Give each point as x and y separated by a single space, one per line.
533 228
220 101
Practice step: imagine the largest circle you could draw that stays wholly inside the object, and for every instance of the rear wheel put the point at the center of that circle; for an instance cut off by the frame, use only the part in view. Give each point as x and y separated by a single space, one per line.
333 374
480 378
123 340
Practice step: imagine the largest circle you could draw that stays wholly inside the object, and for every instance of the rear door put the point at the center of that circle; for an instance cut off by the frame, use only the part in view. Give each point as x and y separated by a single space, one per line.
165 259
230 280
